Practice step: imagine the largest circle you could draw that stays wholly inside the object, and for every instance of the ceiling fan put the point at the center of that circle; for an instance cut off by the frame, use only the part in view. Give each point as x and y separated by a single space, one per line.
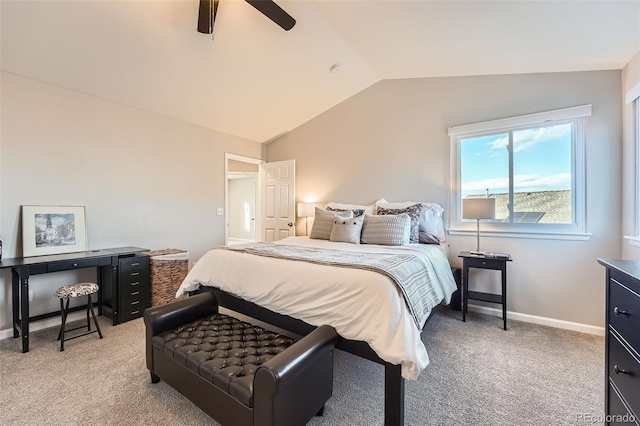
209 8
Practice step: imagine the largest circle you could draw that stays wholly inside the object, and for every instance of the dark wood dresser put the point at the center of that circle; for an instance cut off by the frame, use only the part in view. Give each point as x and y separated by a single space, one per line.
126 283
622 347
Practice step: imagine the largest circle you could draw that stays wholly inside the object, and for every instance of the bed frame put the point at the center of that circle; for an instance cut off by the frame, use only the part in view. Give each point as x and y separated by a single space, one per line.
393 381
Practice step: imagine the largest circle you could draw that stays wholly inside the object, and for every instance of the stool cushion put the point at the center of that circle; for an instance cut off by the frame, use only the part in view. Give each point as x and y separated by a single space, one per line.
76 290
223 350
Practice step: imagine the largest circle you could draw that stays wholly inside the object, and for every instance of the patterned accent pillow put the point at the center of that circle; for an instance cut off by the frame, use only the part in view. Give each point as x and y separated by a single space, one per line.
347 229
356 212
414 214
427 238
387 230
323 224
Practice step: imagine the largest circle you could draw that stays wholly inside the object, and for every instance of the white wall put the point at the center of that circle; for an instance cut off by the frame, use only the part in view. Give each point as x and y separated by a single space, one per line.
391 141
146 180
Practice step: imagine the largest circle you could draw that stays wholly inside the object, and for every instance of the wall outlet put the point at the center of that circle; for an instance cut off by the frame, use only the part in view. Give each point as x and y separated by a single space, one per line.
220 211
30 295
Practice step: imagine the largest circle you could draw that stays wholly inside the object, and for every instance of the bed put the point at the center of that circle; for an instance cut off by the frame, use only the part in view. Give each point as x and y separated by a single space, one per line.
367 308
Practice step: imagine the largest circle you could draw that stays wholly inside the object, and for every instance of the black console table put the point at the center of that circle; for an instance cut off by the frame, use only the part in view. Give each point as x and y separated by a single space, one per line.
108 260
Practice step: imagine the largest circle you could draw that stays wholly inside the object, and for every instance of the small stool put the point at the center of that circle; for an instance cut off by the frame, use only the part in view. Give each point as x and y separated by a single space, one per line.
76 290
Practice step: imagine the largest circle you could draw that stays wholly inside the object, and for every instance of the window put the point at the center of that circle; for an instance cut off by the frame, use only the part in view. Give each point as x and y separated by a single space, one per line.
532 165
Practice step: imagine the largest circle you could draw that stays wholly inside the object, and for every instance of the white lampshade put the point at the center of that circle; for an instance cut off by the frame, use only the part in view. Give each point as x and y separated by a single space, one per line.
306 210
479 208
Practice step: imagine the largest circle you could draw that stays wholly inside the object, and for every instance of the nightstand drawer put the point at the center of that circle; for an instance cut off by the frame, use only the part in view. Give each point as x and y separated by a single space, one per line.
624 371
624 313
485 263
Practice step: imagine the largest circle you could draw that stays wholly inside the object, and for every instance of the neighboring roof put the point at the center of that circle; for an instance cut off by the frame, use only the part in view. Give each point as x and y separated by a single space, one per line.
534 207
257 81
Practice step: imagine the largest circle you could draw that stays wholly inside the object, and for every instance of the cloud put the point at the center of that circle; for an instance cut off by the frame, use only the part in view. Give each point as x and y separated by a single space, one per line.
524 139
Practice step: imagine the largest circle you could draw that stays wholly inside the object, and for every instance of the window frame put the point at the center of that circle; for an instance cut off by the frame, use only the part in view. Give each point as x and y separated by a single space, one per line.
575 230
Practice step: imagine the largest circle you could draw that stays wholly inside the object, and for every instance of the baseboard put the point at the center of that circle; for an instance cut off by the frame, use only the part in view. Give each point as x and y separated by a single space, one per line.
45 323
551 322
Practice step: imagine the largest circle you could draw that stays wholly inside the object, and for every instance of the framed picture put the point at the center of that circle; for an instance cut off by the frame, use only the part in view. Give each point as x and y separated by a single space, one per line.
53 230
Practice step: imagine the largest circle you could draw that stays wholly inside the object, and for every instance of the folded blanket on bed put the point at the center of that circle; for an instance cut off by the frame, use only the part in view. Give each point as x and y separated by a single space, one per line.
408 271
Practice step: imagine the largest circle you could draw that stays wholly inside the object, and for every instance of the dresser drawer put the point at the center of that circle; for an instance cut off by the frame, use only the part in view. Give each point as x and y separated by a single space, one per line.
624 313
624 371
134 263
135 292
133 278
129 314
134 303
618 413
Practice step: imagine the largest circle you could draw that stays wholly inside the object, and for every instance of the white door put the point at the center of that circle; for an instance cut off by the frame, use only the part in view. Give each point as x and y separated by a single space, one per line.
278 193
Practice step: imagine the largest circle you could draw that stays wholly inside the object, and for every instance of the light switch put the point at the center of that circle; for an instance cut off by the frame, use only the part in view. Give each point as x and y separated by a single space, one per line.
220 211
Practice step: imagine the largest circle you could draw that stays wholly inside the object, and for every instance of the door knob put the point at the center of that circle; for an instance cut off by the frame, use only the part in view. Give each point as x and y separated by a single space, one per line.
290 223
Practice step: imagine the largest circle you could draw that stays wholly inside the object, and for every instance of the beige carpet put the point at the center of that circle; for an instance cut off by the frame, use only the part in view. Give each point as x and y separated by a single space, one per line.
479 375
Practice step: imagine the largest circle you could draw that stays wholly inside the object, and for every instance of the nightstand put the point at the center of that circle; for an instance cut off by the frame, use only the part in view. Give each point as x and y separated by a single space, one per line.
482 261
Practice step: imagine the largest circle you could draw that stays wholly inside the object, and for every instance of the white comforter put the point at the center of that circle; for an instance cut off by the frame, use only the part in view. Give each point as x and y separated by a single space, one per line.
359 304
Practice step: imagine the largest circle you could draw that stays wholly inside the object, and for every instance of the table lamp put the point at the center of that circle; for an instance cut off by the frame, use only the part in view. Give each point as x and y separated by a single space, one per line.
306 210
478 208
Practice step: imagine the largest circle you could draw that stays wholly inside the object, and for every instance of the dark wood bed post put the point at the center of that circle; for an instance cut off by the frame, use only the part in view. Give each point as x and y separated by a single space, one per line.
393 395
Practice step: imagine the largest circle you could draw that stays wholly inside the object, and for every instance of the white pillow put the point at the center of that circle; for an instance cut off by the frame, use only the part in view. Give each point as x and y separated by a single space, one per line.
368 209
347 229
323 224
388 230
430 216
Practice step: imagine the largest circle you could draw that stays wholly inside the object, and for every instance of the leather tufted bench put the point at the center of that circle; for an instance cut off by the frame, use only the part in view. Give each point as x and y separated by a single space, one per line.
237 372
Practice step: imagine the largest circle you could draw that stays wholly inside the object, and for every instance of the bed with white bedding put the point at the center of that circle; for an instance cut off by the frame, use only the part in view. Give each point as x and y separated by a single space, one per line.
361 304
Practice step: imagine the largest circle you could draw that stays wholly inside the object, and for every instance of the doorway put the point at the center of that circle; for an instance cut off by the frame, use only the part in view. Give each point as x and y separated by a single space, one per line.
242 203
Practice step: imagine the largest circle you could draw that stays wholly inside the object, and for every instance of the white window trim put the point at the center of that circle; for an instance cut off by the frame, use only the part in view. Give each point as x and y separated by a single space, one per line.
574 231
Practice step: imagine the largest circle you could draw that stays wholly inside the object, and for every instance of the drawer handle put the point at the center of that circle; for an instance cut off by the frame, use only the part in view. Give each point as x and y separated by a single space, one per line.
620 312
133 274
135 264
135 302
136 283
620 371
75 264
135 312
133 293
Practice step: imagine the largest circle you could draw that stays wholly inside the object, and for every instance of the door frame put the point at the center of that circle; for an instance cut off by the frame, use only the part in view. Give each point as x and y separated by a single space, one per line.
258 207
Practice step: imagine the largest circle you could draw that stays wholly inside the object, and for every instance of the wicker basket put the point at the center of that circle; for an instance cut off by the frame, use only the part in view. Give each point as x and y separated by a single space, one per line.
166 275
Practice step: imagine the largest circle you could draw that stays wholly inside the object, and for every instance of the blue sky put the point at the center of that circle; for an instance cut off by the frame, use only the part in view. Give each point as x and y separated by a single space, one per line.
541 161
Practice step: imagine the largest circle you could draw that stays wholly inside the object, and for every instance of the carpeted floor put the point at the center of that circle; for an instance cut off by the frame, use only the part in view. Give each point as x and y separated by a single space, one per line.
479 375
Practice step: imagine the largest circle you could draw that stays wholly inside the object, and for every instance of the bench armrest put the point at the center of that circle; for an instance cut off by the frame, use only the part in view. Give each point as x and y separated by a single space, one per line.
165 317
307 364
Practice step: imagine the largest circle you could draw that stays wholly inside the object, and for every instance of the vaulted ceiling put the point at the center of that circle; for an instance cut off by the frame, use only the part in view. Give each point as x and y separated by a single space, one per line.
257 81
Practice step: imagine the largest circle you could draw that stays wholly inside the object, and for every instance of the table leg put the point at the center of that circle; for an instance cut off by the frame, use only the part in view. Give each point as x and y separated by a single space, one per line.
24 309
465 289
504 295
15 301
393 395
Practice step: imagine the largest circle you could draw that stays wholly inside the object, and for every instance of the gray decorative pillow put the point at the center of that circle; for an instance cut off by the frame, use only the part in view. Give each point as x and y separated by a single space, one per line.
347 229
427 238
414 214
388 230
356 212
323 224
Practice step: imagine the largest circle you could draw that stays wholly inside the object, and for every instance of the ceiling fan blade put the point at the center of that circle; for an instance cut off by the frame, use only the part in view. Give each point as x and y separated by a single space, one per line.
207 15
274 12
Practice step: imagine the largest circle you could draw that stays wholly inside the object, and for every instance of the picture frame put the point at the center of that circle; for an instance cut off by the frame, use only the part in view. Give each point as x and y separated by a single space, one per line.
53 230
